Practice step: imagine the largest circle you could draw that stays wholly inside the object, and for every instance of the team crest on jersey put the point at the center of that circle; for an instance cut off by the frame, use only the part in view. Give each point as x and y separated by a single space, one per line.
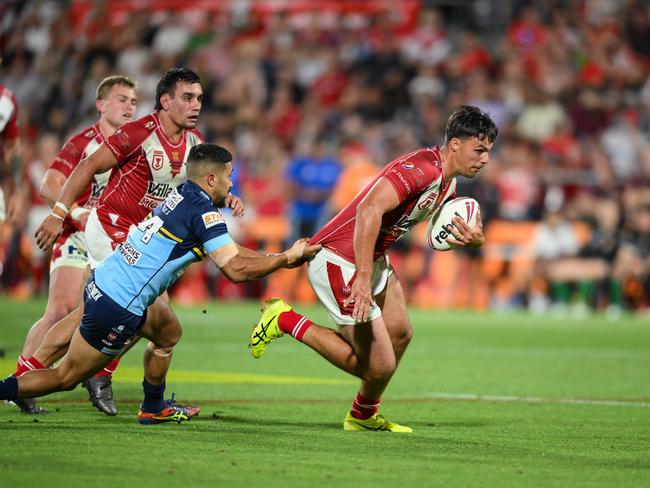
408 165
210 219
157 160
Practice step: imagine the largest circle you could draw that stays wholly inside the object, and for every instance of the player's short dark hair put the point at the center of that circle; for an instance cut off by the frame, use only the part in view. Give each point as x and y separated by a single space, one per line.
168 81
110 81
204 155
468 121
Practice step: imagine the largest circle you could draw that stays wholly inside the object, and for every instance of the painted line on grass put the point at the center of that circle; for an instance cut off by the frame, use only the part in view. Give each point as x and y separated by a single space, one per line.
474 397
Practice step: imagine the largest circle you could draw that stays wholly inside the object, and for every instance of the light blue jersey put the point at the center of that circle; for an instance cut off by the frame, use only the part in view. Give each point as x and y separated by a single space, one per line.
182 230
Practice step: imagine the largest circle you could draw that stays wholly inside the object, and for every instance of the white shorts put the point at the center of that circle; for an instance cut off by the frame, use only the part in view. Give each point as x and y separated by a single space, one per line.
330 275
99 243
70 251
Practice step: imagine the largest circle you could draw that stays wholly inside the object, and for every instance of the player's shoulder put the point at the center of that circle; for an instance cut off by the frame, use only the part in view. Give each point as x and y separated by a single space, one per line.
86 134
148 123
194 136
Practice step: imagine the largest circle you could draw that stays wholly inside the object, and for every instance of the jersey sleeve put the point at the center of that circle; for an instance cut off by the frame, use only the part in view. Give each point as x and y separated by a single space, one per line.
210 227
410 176
129 137
69 157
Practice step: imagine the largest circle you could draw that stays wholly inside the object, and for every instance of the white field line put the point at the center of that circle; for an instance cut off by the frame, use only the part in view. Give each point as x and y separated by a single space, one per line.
532 399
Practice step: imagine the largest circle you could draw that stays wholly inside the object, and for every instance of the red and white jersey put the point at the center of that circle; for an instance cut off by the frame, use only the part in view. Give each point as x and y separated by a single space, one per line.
418 180
149 167
8 114
79 147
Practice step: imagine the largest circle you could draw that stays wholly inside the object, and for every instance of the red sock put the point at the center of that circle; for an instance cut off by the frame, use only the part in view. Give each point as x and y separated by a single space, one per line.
28 364
109 368
363 408
294 324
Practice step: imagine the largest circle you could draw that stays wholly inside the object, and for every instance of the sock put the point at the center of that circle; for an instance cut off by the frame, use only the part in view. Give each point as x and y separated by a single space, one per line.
560 292
363 408
9 388
28 364
294 324
615 292
109 369
153 397
586 292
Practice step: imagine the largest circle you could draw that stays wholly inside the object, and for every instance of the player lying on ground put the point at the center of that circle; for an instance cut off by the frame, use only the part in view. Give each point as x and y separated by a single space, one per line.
352 275
184 229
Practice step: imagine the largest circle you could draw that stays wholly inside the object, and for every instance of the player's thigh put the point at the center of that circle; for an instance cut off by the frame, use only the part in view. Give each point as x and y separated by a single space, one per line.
81 361
65 288
161 325
393 305
331 276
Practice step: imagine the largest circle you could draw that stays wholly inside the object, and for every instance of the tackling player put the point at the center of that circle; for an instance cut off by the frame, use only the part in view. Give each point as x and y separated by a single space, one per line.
352 275
147 158
184 229
116 104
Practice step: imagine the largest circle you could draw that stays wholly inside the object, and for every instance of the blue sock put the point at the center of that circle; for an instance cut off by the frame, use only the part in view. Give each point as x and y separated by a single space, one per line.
153 397
9 388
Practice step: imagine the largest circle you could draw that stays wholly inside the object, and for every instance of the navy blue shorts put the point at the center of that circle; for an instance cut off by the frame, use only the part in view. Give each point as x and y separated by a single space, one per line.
107 326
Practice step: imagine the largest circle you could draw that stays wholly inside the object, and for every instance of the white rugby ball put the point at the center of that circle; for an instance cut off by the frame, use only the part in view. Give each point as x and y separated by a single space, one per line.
440 225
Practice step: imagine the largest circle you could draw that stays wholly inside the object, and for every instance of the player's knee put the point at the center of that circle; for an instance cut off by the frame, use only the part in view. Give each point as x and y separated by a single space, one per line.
57 311
403 338
160 351
382 371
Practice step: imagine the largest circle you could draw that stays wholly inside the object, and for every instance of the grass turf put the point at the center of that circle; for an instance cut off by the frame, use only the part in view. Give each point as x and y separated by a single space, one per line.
277 421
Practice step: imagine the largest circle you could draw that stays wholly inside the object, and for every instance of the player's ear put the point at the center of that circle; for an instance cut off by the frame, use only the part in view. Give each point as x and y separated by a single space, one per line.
455 144
99 105
164 101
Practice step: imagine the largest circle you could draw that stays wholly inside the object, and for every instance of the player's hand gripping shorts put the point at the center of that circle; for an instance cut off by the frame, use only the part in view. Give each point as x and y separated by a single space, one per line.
330 276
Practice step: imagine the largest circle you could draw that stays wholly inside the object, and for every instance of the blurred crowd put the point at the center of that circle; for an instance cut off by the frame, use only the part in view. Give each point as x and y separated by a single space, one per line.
313 97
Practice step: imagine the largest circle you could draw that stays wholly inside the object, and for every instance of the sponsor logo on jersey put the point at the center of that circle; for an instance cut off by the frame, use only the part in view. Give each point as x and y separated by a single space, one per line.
90 133
157 160
93 291
403 180
173 199
111 336
130 254
408 165
156 193
64 162
428 201
210 219
149 125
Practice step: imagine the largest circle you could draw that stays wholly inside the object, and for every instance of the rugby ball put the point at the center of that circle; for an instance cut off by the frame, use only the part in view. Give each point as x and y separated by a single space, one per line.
440 225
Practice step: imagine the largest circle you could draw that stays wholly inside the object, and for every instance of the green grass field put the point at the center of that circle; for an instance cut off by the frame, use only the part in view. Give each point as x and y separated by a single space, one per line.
494 400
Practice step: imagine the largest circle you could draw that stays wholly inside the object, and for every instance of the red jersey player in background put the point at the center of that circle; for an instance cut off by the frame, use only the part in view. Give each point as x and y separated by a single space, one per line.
352 275
147 157
9 155
116 104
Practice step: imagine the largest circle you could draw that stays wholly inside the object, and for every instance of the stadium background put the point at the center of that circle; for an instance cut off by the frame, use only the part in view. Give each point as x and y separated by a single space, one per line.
312 97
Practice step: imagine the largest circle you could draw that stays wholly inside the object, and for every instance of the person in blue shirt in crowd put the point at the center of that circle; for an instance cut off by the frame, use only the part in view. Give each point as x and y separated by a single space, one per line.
311 178
187 227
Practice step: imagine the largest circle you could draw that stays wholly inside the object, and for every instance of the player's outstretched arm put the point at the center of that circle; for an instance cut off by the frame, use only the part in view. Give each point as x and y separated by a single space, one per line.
249 265
98 162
